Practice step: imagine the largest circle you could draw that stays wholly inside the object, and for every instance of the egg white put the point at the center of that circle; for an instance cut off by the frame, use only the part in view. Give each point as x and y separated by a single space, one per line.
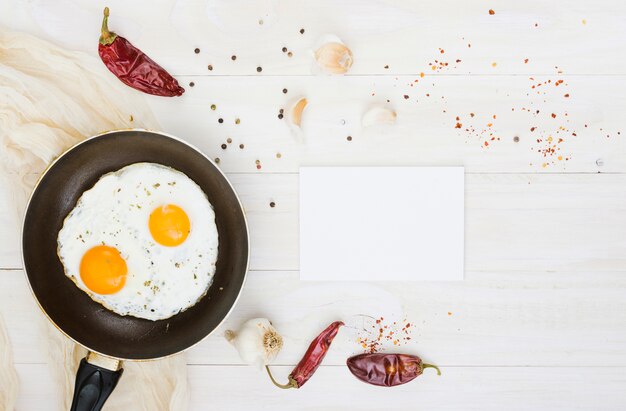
161 281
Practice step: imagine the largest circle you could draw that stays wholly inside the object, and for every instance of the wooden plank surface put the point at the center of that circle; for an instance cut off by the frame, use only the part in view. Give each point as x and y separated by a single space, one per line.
579 37
538 323
514 222
487 107
513 319
334 388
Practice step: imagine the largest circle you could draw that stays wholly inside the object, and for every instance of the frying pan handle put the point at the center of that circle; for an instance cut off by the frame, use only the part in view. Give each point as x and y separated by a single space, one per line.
96 378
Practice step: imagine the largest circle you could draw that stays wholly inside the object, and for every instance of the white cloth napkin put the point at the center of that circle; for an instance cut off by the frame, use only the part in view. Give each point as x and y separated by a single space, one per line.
50 99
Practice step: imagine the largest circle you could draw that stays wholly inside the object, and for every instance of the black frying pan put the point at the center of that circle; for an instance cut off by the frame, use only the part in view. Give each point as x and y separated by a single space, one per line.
109 336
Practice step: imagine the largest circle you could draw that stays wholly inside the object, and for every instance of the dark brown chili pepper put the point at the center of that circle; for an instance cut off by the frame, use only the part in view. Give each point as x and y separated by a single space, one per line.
311 359
387 370
132 66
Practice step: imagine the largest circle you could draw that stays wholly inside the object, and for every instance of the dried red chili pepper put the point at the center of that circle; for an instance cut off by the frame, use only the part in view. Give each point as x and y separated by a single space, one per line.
132 66
311 359
387 370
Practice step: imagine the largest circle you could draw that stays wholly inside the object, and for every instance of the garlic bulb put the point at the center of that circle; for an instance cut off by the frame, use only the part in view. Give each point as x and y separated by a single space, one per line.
378 115
257 341
333 56
295 113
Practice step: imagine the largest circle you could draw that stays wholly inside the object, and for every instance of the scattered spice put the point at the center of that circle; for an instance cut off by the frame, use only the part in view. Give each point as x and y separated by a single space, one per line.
229 140
349 138
191 84
285 91
290 54
301 31
241 146
272 204
284 49
217 160
491 12
197 50
259 69
278 155
210 67
380 332
237 121
220 120
213 107
233 57
224 146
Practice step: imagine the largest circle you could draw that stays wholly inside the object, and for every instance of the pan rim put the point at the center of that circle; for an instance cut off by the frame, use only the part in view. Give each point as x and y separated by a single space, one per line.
193 147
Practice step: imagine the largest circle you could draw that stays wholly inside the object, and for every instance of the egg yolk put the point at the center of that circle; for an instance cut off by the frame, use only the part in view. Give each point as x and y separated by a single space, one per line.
103 270
169 225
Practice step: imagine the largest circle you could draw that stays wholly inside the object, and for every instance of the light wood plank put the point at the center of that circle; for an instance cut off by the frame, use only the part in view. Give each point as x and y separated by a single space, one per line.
537 222
334 388
425 132
403 35
508 318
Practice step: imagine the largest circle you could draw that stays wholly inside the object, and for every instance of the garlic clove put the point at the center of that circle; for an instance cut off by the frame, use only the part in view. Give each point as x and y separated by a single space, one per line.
379 115
295 113
257 341
334 57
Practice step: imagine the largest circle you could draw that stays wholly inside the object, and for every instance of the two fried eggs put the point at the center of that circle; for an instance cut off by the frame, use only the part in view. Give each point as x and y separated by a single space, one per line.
142 242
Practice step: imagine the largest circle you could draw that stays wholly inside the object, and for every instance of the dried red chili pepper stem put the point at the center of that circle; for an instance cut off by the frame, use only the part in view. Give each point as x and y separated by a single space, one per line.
291 384
311 360
106 37
424 365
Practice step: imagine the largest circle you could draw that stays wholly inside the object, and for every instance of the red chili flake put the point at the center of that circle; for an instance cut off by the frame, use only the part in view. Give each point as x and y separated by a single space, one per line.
553 115
406 96
458 125
532 129
525 61
486 143
566 96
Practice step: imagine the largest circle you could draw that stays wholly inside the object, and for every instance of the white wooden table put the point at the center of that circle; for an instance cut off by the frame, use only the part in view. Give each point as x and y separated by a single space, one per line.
540 320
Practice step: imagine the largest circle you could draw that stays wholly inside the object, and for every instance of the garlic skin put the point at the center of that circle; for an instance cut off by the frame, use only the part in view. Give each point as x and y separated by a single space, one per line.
257 341
379 115
296 110
333 56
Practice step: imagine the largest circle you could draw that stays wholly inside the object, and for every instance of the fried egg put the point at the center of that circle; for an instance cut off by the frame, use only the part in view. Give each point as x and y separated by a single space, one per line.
142 242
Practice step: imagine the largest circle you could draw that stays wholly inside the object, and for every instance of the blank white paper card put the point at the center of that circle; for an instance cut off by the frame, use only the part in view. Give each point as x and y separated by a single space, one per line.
381 223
